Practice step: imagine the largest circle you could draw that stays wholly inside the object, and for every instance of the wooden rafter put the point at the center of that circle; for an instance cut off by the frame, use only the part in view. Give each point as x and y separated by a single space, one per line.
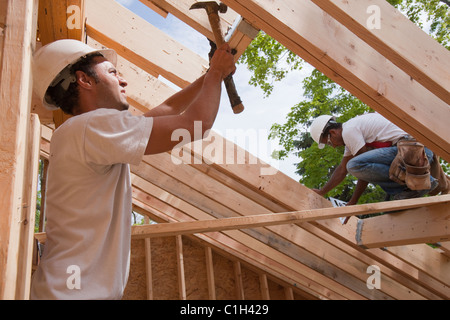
403 43
427 224
141 43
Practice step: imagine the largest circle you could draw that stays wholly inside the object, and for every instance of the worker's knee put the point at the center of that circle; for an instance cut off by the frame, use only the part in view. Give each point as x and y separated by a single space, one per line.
354 166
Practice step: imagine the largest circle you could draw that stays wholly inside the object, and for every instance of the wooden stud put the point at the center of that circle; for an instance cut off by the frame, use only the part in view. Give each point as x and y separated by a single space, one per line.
29 210
180 264
264 287
289 293
148 264
18 38
238 280
210 274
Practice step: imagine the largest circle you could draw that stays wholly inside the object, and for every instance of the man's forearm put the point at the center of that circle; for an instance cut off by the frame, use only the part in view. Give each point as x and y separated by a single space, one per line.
178 102
336 178
361 186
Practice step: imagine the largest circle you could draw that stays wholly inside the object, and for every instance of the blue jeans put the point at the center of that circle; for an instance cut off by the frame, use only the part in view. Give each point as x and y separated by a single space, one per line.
373 166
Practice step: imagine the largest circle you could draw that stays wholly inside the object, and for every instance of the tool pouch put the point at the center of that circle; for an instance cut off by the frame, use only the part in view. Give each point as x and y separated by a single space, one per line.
411 166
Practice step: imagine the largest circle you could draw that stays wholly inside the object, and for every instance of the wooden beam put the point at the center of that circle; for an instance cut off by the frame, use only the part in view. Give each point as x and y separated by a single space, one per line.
210 273
255 221
141 43
19 36
422 225
238 280
396 38
180 268
29 210
334 50
264 285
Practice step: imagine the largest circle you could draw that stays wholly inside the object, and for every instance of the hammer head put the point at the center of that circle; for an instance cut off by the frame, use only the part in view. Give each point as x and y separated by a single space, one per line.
210 6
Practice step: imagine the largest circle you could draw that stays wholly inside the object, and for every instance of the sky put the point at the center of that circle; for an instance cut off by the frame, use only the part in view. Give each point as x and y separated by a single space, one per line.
260 113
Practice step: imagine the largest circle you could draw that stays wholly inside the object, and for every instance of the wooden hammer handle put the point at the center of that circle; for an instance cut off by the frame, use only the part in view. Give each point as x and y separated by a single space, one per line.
235 100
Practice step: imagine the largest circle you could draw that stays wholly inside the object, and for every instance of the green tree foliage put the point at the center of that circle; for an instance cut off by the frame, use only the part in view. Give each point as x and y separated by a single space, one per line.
269 62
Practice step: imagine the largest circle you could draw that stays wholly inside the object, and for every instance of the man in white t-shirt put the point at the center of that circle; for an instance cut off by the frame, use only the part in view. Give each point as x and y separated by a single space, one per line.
88 202
370 147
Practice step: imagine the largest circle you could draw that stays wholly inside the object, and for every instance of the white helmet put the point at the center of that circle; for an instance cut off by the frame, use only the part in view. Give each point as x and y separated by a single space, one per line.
52 65
318 127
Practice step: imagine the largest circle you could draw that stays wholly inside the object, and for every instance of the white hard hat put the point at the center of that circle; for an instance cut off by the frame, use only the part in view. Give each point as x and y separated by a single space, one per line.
51 64
318 127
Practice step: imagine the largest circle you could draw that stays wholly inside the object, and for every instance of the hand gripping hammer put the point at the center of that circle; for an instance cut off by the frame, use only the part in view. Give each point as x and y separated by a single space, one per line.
212 9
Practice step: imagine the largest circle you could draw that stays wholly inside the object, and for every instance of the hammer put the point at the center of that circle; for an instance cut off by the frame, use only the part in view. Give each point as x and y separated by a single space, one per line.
212 9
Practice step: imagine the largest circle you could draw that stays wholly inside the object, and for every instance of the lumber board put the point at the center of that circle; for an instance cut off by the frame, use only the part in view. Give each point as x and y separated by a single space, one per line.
29 209
334 50
210 273
15 94
254 221
135 39
402 268
422 225
398 39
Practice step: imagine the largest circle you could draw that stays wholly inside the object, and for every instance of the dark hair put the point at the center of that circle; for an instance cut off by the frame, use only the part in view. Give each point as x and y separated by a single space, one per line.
67 100
331 125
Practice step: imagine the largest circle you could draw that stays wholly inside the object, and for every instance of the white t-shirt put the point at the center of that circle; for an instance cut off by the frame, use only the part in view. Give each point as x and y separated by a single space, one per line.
368 128
88 206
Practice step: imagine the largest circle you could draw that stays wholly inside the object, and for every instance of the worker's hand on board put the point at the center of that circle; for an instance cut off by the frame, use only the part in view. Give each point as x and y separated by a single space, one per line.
223 61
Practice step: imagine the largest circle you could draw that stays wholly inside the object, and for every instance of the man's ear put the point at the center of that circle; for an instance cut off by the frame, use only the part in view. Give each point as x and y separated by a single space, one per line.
83 80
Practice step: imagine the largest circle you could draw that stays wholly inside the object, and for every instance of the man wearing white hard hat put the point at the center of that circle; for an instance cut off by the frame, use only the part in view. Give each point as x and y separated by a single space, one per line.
88 203
370 143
